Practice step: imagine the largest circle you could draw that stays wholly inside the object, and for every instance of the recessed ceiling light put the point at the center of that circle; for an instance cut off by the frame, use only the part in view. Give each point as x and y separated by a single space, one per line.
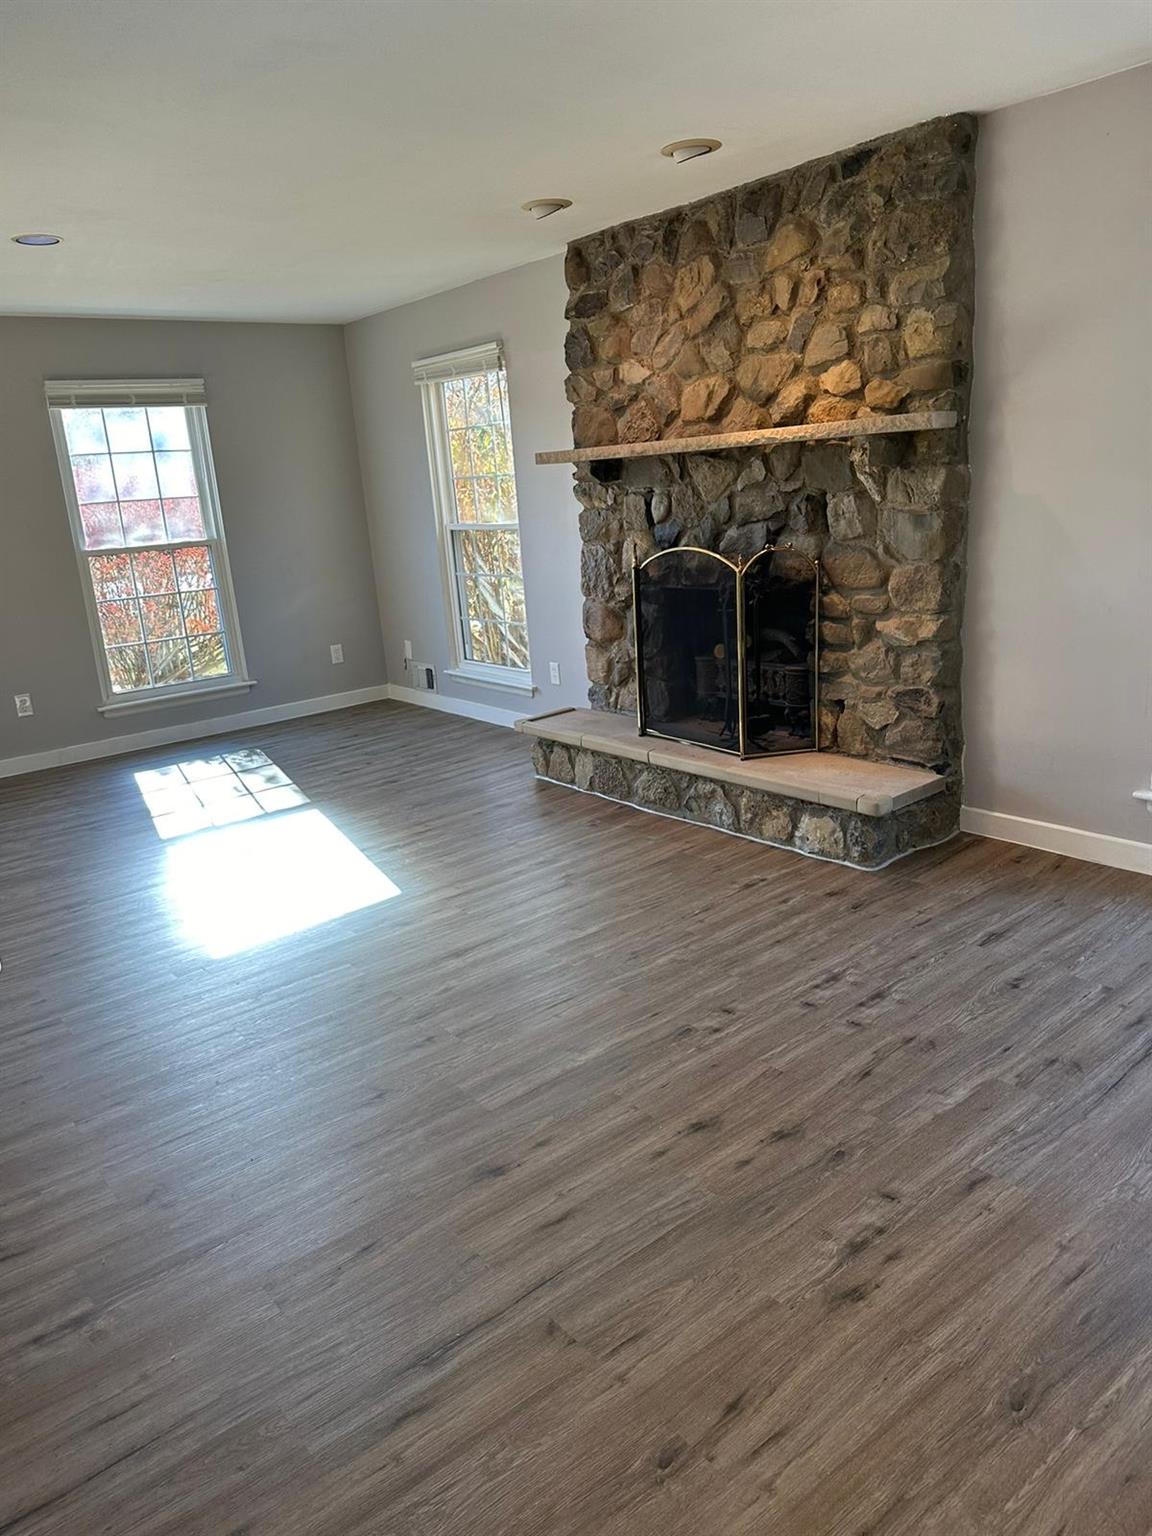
545 207
36 239
690 149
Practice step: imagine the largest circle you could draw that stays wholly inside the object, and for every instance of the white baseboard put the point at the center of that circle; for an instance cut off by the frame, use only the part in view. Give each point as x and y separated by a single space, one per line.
449 706
188 730
1094 847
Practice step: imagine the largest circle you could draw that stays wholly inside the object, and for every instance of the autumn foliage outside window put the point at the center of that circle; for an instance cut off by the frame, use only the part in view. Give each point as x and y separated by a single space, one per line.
148 540
470 447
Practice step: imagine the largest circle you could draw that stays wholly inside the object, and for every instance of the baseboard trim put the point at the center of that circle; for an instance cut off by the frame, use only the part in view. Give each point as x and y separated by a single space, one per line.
488 713
189 730
1075 842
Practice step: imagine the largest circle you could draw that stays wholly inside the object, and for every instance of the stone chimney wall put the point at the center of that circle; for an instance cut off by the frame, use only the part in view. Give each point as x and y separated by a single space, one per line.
839 289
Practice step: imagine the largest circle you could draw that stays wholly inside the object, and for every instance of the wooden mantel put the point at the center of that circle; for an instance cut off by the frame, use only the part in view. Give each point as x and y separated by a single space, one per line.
822 431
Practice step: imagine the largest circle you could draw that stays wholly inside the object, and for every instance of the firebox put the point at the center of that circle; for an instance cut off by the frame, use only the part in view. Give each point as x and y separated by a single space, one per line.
727 649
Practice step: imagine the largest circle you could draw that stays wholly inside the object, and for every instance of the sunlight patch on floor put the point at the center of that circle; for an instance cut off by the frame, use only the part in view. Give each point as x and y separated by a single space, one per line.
237 887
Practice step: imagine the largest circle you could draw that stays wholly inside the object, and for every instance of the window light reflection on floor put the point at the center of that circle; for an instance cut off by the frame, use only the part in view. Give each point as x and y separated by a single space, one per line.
246 862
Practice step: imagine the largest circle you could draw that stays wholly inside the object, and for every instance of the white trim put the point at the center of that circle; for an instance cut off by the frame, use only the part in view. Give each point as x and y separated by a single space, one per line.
476 674
157 700
62 392
449 706
220 725
458 365
1075 842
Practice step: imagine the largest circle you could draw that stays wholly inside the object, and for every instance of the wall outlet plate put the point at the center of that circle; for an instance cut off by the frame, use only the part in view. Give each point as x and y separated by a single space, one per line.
23 704
407 650
554 672
337 654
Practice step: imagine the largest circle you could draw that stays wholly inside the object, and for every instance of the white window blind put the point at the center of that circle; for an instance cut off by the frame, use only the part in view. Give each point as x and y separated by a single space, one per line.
101 392
488 358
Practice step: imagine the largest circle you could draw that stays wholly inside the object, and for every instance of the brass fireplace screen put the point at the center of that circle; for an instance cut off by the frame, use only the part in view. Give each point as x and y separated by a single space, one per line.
727 649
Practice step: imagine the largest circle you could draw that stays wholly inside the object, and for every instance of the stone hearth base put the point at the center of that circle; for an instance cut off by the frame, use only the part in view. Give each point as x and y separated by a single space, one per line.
822 831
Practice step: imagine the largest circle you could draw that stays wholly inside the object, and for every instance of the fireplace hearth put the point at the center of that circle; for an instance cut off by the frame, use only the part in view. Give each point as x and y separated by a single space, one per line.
727 649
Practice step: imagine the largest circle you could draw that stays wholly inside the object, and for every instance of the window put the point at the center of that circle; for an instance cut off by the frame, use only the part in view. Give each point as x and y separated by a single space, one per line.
141 493
474 485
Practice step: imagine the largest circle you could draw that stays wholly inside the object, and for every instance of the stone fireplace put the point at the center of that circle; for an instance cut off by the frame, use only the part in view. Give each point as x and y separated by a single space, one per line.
832 299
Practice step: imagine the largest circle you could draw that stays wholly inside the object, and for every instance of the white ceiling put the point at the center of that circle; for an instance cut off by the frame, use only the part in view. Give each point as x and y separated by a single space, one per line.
323 159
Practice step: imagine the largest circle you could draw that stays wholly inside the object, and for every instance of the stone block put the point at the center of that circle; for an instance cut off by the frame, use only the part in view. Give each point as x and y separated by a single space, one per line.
602 622
704 398
791 239
818 831
853 567
875 317
827 343
842 379
760 375
792 401
851 515
918 588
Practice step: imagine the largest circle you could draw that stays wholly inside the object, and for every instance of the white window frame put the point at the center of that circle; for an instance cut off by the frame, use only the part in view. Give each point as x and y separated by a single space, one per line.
429 373
62 394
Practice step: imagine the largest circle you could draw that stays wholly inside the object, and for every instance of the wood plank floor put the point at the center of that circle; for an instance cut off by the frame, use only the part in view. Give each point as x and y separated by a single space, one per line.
616 1178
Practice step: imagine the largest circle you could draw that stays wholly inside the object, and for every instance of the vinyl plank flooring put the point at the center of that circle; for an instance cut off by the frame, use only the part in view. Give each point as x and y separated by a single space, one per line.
613 1178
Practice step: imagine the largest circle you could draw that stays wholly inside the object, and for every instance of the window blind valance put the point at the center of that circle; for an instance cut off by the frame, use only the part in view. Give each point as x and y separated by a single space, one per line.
94 392
458 365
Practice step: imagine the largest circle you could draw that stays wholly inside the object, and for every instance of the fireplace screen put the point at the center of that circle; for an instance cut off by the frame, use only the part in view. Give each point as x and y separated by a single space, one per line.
726 649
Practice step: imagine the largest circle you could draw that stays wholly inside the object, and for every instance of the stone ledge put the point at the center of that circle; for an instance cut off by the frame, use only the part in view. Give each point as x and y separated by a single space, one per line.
818 778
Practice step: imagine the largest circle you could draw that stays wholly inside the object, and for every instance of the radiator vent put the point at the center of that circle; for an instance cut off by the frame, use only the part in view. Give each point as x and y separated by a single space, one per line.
421 676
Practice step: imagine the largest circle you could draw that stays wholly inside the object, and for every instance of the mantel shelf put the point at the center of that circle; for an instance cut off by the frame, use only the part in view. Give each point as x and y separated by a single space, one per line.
812 432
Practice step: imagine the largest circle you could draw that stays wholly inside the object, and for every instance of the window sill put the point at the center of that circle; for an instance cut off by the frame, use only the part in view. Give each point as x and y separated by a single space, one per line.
161 700
506 678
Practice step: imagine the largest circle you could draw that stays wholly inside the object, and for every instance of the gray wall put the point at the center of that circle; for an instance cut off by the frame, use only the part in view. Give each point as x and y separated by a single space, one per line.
1058 626
283 440
525 310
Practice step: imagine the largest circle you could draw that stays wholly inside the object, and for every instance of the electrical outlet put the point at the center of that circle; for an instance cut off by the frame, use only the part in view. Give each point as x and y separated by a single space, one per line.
407 650
23 704
554 672
337 654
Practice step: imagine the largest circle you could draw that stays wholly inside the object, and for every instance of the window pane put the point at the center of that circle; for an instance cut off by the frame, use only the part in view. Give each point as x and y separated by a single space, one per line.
201 612
177 477
111 576
193 568
454 406
514 601
517 638
127 429
495 550
92 476
183 518
154 571
465 502
476 397
209 658
506 488
119 622
84 431
128 668
135 476
161 617
143 522
458 450
101 523
503 454
488 499
483 442
169 426
170 662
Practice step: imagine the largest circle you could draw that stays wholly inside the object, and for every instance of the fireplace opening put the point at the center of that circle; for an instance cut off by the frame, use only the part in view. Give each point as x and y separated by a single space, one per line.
726 649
